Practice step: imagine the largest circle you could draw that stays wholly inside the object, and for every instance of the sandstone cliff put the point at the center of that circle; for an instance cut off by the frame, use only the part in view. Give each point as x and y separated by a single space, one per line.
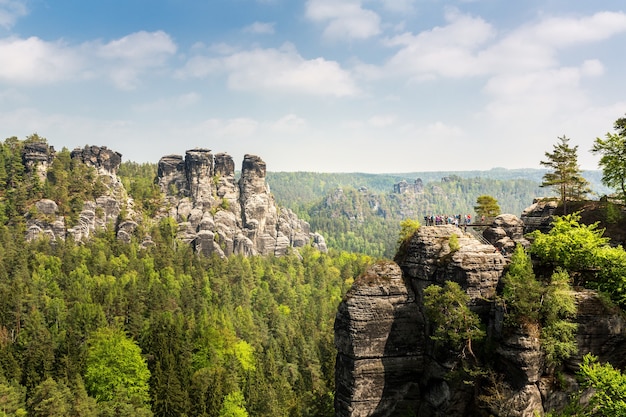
388 365
103 211
221 215
215 212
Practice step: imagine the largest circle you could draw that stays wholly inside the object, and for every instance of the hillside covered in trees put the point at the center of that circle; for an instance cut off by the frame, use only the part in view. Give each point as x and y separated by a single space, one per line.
101 326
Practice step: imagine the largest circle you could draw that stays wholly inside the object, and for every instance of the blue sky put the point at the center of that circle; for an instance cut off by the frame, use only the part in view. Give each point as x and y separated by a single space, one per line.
317 85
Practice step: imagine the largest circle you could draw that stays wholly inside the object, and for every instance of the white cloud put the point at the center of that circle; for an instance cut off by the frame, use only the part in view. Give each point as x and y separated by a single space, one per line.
398 6
382 120
562 31
123 60
448 51
290 123
276 70
132 55
33 60
167 104
10 11
230 128
468 46
344 19
260 28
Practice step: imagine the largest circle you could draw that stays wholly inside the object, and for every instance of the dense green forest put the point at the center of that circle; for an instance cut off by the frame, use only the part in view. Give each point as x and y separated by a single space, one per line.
104 328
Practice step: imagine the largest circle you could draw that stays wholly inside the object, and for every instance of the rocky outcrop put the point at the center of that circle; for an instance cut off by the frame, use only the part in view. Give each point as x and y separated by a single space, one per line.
37 157
506 231
404 187
388 364
219 215
215 212
99 157
538 216
103 211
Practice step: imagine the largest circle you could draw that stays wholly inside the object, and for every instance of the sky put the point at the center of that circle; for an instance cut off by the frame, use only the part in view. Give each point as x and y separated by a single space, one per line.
378 86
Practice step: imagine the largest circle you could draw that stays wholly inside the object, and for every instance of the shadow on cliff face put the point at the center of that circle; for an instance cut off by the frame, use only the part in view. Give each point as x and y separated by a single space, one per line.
402 363
402 360
379 358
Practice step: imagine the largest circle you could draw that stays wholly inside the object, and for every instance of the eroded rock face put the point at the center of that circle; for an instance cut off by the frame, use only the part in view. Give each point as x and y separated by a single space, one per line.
538 216
37 157
219 215
95 215
378 335
99 157
382 323
506 232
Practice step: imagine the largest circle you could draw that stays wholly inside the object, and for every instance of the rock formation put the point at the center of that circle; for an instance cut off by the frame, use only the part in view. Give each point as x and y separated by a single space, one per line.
506 231
96 214
219 215
215 212
404 187
37 157
379 338
388 364
538 216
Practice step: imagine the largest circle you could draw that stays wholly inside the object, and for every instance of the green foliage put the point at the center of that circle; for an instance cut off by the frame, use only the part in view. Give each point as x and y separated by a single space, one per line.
609 384
613 159
487 206
613 214
114 364
234 405
50 399
408 227
550 308
522 292
569 243
453 242
12 401
140 182
453 322
565 174
558 333
365 219
207 327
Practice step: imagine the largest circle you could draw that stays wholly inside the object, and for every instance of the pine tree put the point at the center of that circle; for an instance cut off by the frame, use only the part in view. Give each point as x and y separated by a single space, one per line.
566 175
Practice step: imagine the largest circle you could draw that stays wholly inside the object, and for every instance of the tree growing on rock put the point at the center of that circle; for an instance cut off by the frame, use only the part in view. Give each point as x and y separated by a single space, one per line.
565 175
453 321
613 158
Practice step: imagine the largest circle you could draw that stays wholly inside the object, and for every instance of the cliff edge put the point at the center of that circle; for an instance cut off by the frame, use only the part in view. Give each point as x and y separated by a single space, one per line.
389 365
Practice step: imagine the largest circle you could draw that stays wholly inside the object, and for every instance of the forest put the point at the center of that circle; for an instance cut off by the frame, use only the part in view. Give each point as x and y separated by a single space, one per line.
107 328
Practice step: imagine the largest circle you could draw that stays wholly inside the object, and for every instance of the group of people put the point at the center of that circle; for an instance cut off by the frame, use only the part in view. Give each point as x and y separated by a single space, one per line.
438 220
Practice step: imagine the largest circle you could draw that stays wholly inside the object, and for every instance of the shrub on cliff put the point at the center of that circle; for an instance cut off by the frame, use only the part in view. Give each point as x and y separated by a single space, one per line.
549 305
454 323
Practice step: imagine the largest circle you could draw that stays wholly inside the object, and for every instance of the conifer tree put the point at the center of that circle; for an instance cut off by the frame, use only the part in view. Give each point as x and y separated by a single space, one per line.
565 175
613 158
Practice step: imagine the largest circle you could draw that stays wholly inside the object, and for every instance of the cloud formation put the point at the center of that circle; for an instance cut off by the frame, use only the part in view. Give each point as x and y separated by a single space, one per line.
122 61
344 19
10 11
281 70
